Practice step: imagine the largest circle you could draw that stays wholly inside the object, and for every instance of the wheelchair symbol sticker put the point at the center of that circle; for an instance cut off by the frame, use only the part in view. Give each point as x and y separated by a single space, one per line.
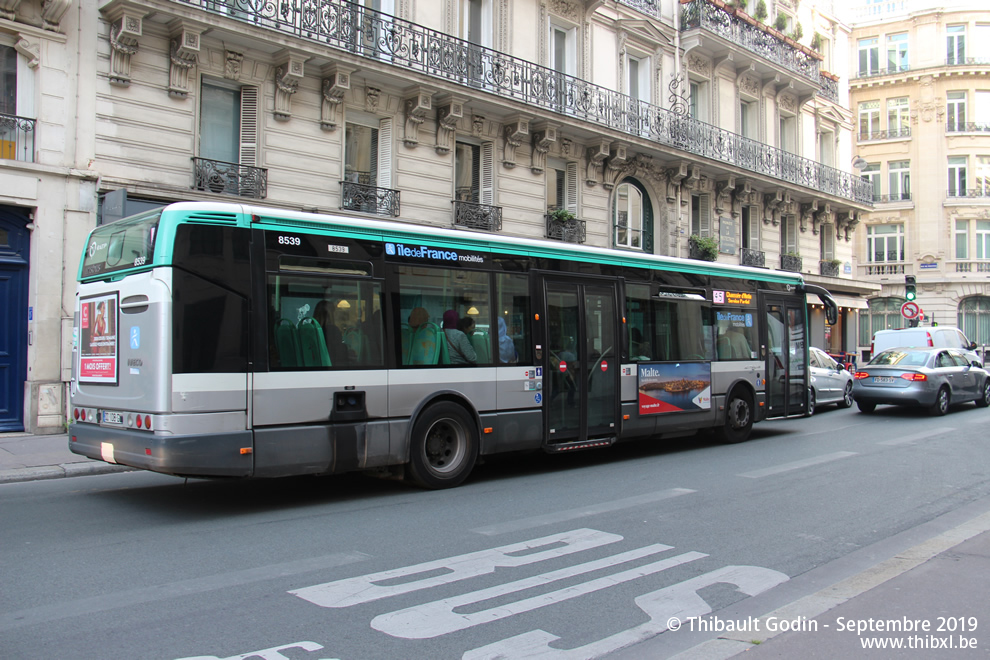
539 398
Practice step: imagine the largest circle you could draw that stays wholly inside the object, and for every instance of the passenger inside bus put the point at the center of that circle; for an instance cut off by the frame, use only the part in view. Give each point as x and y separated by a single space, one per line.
507 353
334 338
459 345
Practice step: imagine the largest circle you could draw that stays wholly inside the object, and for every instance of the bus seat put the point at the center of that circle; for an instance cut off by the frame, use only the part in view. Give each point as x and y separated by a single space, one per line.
312 344
287 343
425 346
355 341
443 355
406 335
724 348
482 346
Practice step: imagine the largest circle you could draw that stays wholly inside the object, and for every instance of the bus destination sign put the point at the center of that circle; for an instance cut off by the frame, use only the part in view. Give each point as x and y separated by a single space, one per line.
732 298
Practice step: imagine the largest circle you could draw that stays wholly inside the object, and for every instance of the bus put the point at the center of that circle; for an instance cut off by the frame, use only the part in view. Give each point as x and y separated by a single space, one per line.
228 340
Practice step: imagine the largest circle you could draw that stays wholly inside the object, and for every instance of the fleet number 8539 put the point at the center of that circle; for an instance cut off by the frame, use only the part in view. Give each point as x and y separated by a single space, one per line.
289 240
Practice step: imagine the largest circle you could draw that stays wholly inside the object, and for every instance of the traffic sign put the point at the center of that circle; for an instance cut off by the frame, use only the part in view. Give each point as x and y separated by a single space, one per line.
910 310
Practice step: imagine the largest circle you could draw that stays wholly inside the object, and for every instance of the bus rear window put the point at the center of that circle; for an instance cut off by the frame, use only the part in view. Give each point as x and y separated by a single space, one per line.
128 243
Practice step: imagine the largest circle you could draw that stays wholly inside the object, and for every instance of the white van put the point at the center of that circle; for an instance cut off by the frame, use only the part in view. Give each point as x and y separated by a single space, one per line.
937 337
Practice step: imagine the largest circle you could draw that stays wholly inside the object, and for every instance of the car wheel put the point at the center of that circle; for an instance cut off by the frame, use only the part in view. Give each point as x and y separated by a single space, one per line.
941 405
444 446
847 396
866 407
984 400
812 400
738 419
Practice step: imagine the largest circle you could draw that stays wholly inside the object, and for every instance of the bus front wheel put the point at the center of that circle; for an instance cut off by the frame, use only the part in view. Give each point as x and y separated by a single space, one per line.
444 446
738 418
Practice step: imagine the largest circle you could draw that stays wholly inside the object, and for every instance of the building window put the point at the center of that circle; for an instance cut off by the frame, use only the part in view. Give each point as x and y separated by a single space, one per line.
869 57
974 318
898 117
827 242
750 228
699 101
361 154
962 239
982 239
899 176
884 243
788 133
563 49
788 235
955 44
897 52
638 72
883 314
826 148
627 216
748 119
869 119
872 174
228 124
701 210
957 176
956 115
983 176
8 80
474 173
562 188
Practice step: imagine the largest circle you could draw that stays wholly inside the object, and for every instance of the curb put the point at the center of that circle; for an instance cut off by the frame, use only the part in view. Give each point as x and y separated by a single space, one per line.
60 471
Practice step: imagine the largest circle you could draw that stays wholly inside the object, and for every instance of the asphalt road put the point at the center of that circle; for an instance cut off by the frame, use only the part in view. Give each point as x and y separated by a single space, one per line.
535 555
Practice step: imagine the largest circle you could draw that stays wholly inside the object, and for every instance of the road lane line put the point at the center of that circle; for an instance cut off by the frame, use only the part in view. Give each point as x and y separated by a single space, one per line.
797 465
182 588
924 435
582 512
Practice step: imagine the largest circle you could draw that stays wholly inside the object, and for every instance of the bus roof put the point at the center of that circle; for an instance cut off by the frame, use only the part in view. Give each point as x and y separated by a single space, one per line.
390 230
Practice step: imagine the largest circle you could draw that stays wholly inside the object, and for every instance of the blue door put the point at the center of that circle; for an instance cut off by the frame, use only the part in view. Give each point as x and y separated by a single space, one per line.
14 241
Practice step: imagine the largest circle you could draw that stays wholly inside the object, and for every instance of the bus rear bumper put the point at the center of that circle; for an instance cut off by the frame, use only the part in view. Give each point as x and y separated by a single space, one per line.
208 455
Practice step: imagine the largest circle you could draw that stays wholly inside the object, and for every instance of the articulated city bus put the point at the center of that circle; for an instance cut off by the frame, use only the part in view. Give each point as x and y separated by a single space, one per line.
223 340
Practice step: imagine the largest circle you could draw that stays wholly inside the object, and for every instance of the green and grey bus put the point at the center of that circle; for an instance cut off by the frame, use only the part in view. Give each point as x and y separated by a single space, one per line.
224 340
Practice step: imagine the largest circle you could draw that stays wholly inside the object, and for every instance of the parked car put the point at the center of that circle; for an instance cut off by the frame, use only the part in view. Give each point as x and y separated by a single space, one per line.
931 378
831 382
931 337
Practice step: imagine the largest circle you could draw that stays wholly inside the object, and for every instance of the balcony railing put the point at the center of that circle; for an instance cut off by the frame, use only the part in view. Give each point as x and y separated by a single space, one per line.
973 266
220 177
885 269
17 138
369 199
829 89
983 191
892 198
477 216
702 14
756 258
406 45
893 134
571 230
966 61
889 71
791 262
648 7
966 127
828 268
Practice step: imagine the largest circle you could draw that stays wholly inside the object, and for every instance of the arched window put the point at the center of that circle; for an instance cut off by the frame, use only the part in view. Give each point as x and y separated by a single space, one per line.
974 318
884 314
632 217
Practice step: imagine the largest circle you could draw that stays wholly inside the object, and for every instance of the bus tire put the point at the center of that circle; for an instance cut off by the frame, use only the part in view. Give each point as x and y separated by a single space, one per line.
444 446
738 418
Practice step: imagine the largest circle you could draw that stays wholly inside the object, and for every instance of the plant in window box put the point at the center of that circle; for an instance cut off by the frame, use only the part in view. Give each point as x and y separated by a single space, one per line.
562 216
835 262
703 247
761 11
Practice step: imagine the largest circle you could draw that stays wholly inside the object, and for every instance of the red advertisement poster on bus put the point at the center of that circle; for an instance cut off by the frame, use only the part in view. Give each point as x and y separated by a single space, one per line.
674 387
98 340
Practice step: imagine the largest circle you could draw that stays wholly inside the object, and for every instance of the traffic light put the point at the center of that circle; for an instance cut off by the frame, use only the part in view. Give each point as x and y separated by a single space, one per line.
909 288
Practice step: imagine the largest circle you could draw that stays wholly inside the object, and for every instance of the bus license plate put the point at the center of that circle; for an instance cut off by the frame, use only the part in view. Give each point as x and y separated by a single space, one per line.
883 379
112 417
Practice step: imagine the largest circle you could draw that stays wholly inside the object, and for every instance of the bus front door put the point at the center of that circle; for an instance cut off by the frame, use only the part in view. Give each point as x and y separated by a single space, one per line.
786 355
580 363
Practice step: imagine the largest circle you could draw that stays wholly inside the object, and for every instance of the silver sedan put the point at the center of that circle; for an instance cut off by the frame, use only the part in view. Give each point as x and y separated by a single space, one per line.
830 381
931 378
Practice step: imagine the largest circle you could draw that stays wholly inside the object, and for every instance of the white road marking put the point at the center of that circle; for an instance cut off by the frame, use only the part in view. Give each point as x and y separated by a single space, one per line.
582 512
797 465
925 435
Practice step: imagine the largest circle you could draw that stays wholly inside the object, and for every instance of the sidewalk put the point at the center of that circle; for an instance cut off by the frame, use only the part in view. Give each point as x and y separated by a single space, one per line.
943 581
26 457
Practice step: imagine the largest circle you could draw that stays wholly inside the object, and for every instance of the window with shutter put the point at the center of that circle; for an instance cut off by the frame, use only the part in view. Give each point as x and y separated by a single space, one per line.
488 173
249 126
384 153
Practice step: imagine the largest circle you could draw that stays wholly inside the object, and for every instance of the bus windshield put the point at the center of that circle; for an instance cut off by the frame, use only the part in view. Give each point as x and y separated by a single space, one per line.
125 244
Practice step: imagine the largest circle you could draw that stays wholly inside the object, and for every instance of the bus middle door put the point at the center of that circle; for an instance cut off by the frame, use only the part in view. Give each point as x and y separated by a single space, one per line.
784 339
581 366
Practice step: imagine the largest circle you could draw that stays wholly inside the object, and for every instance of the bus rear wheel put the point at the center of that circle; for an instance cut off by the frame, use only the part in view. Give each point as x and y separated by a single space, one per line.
444 446
738 418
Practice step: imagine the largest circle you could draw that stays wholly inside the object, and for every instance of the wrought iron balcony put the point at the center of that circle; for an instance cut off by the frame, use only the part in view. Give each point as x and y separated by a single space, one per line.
571 230
966 127
966 61
791 262
707 16
889 71
477 216
17 138
828 268
829 89
369 199
893 134
220 177
356 29
648 7
983 191
892 198
755 258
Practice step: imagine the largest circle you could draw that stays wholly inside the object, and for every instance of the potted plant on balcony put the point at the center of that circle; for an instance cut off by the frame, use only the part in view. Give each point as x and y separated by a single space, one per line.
562 216
761 11
703 247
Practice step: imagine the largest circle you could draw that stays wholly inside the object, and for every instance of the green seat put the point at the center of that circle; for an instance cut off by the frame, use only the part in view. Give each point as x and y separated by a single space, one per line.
482 346
287 343
312 344
406 335
426 345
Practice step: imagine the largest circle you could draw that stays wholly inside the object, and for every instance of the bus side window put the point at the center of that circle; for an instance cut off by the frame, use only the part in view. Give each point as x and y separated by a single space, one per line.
515 346
637 322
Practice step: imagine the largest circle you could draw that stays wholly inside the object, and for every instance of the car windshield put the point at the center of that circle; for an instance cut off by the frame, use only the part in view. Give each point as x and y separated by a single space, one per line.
901 358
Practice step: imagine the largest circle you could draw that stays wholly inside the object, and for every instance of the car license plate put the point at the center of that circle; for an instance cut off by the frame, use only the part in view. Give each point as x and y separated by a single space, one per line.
112 417
883 379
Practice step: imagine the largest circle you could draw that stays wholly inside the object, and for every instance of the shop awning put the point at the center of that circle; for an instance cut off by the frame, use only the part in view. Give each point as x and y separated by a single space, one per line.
850 301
